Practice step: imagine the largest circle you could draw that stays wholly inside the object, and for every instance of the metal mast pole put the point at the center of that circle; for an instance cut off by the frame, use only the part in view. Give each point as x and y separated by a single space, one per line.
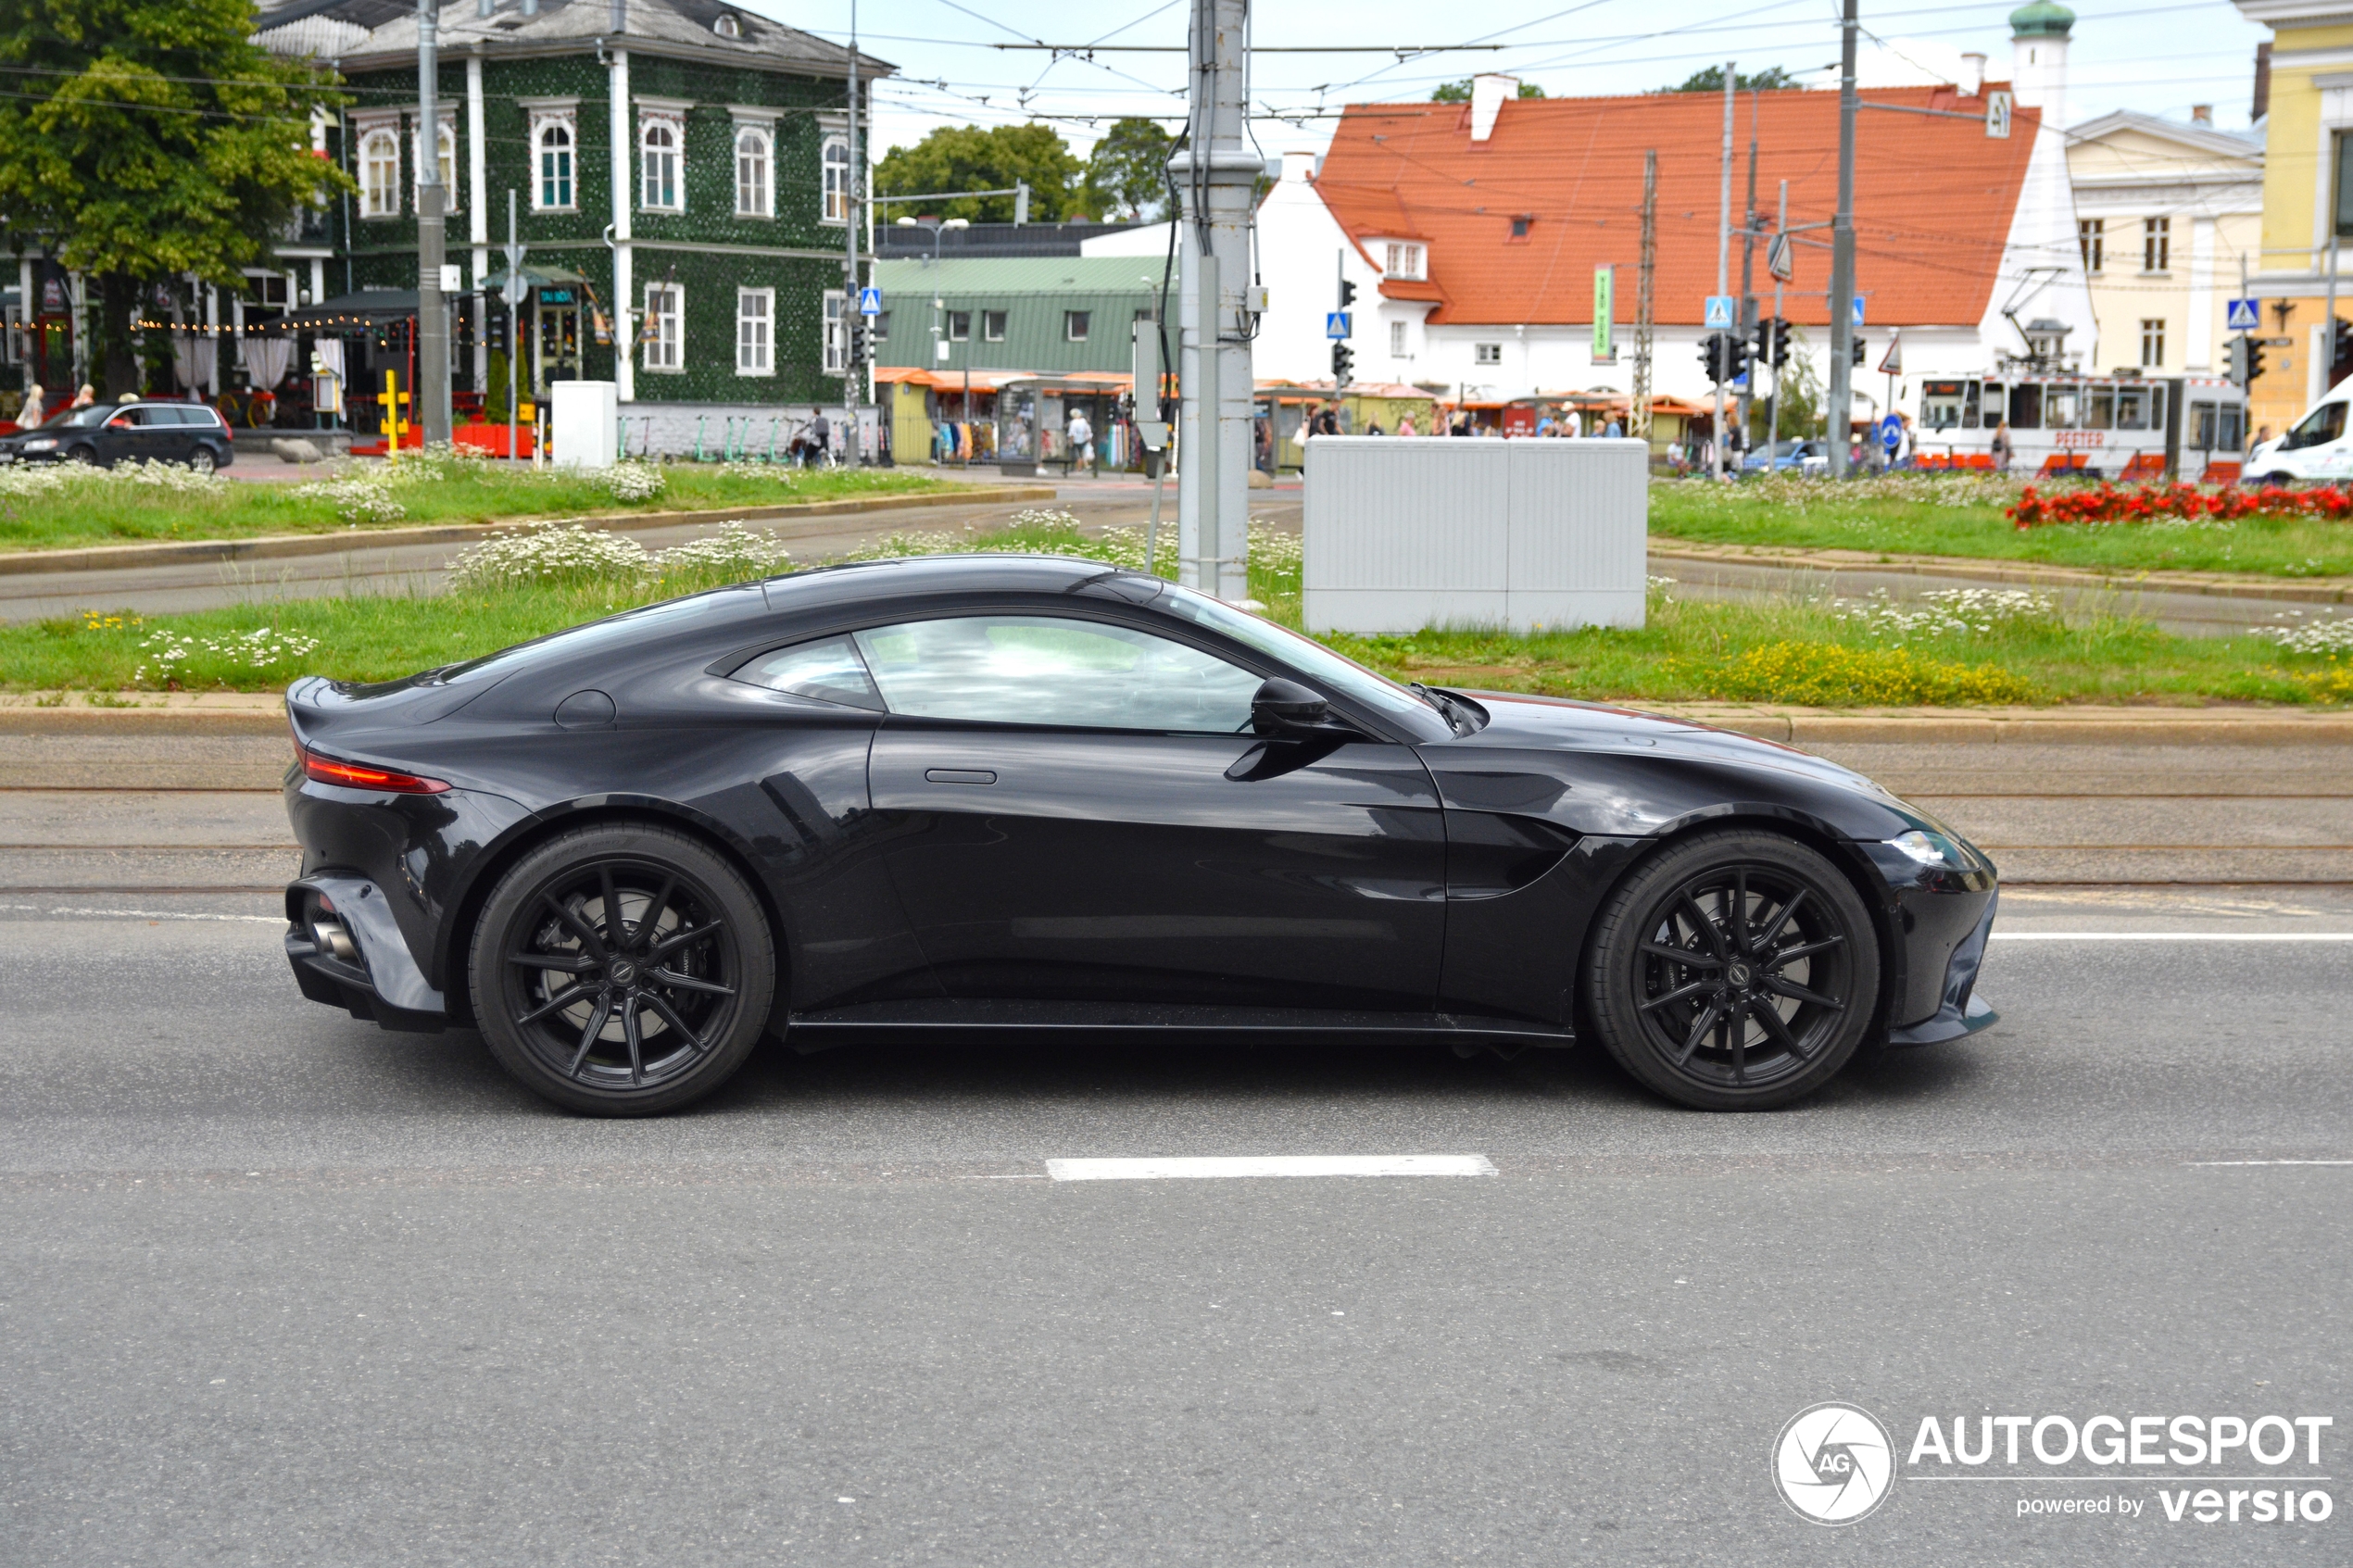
430 395
1723 269
852 364
1638 418
1748 264
1780 326
1216 170
1843 254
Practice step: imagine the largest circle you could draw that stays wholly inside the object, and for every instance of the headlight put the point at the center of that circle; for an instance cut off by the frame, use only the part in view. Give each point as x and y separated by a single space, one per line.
45 444
1932 849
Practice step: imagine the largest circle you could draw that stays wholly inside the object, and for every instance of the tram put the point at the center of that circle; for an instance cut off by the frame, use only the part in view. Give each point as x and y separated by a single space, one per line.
2093 426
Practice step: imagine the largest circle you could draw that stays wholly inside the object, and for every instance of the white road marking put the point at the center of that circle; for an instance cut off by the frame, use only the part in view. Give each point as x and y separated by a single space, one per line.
2216 1162
2171 935
1271 1165
141 914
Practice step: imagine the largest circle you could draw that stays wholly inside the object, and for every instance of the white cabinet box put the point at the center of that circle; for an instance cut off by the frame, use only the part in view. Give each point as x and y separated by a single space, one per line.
583 429
1431 531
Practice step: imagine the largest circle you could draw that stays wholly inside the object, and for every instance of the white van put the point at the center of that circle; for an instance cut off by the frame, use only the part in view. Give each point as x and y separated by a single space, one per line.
2316 446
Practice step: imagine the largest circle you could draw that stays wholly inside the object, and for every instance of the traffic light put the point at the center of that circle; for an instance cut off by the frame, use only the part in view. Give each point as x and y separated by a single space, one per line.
858 340
1724 355
1342 361
1772 341
2344 351
2254 361
1861 354
2245 361
1347 294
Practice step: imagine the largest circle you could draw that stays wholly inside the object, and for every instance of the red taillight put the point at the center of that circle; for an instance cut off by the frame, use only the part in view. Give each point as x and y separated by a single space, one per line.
351 775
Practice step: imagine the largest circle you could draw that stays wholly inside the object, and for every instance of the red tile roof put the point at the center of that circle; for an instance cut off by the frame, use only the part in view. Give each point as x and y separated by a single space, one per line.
1933 200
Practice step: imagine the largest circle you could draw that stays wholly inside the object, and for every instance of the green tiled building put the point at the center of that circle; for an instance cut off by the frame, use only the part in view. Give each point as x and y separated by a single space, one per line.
710 284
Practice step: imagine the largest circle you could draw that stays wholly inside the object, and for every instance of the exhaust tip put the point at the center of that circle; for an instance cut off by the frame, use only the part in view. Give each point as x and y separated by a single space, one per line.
335 940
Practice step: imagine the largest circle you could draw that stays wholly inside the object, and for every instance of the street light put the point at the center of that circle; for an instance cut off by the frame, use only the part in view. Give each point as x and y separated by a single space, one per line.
936 226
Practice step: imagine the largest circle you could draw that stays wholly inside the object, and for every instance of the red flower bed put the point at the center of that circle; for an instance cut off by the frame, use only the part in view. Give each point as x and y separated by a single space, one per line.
2104 502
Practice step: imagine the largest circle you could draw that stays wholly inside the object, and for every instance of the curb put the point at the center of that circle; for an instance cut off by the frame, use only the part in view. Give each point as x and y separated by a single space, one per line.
263 713
118 558
1830 563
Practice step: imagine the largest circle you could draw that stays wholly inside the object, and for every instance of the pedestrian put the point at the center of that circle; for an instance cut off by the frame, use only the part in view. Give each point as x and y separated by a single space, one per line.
1614 431
1904 448
2003 447
2262 433
1374 429
1082 437
821 436
87 396
30 414
1405 425
1574 425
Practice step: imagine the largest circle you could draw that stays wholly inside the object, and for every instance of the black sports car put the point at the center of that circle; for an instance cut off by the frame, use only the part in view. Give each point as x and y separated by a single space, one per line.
979 792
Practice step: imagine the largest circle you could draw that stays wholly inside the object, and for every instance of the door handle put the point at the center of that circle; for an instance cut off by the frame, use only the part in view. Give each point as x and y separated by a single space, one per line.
960 775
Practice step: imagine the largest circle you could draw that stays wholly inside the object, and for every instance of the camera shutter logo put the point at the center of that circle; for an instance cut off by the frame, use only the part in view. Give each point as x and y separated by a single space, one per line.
1834 1463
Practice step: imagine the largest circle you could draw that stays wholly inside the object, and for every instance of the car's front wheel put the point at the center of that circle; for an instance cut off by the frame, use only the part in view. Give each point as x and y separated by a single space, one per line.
1735 971
623 970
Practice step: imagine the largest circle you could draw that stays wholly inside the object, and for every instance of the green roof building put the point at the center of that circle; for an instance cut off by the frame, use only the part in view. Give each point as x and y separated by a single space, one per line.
1045 314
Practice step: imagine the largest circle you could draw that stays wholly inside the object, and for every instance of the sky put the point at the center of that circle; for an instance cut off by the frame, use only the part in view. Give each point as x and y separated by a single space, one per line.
2158 59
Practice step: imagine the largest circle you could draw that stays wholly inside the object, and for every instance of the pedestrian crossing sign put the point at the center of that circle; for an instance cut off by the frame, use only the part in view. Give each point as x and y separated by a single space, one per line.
2244 316
1719 312
870 302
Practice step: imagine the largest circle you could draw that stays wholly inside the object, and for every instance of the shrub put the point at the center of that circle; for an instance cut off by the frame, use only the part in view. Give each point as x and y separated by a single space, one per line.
2104 502
1831 675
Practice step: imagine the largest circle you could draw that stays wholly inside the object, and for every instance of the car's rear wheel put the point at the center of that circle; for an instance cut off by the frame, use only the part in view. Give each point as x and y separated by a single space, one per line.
623 970
1735 971
202 460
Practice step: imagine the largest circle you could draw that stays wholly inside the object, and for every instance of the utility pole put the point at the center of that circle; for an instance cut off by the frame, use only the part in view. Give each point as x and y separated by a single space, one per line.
1780 326
1842 253
430 396
1723 272
1638 417
852 367
1748 264
1216 170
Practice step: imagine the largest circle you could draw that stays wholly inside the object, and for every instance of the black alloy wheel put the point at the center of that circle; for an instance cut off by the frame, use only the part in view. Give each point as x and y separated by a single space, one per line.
623 970
1737 970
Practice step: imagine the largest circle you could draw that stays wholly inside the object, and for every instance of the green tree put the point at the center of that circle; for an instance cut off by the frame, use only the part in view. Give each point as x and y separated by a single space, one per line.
143 139
1128 172
965 158
1710 79
1460 92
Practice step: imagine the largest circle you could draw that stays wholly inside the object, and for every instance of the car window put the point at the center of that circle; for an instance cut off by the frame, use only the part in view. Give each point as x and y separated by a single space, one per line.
83 418
156 414
1048 670
829 670
1310 657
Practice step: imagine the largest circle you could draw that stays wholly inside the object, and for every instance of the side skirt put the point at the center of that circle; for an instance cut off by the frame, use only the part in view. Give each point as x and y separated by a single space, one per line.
828 1026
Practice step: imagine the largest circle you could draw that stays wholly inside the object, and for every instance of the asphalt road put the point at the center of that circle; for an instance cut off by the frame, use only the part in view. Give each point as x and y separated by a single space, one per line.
277 1287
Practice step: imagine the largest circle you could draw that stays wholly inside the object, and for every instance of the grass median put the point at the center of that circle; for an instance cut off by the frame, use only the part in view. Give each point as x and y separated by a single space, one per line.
50 505
1962 648
1962 515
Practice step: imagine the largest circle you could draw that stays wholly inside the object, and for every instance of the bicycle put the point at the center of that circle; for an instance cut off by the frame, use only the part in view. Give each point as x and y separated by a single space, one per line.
254 409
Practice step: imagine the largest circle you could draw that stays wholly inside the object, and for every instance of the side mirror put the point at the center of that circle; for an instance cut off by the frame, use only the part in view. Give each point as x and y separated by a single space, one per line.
1281 707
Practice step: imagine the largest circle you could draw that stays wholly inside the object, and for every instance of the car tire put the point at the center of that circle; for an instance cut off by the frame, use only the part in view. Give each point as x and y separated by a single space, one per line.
203 461
2282 479
1736 970
84 454
659 968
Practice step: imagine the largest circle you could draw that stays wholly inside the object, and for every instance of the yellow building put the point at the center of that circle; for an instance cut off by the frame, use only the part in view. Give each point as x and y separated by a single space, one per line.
2307 200
2167 214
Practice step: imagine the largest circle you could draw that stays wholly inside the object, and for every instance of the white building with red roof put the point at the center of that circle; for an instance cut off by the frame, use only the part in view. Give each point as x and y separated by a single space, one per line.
1472 232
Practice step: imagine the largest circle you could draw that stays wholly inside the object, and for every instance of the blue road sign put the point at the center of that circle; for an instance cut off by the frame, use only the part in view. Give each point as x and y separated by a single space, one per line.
1859 309
870 302
1336 325
1719 312
2244 316
1740 383
1890 433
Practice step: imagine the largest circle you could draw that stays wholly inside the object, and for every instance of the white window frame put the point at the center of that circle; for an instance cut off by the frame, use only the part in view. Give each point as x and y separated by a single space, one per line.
834 325
755 331
1407 260
2157 244
761 187
447 140
544 119
2152 343
834 199
380 198
2091 233
663 350
1487 353
1076 324
1397 339
657 164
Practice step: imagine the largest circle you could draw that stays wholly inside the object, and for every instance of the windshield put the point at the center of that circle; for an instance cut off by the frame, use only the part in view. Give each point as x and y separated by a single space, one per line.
1301 653
82 419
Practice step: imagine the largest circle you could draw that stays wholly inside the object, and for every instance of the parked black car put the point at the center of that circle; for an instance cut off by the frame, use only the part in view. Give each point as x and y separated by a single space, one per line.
106 434
968 793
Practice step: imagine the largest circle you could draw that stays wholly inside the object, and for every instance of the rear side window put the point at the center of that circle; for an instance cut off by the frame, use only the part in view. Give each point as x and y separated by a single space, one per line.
194 414
829 670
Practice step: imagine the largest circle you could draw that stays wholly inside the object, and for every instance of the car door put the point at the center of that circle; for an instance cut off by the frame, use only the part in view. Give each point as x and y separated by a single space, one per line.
1077 814
123 438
